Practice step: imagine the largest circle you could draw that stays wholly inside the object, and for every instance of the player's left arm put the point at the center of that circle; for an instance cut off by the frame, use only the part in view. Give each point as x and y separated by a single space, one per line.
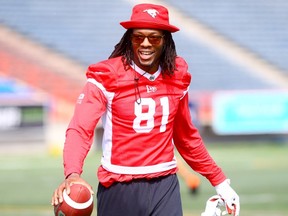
191 147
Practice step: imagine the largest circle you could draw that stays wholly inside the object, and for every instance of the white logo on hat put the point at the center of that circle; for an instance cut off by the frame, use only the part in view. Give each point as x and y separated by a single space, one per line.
152 12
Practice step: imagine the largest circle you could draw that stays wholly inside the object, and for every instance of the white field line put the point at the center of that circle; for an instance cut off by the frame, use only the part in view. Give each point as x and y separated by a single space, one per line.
257 198
28 166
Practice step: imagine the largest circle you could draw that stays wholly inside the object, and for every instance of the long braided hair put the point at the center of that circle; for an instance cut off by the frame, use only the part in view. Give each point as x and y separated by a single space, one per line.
167 59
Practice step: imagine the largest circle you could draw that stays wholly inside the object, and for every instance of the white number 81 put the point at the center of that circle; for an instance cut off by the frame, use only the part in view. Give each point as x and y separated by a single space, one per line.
149 116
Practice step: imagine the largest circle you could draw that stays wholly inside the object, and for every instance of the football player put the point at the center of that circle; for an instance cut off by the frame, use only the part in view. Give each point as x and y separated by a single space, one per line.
140 92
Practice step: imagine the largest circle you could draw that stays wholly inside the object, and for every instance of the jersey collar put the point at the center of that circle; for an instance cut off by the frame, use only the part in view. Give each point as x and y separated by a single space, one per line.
141 72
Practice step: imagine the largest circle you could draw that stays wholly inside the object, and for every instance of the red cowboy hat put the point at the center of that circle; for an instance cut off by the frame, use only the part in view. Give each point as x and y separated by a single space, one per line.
149 16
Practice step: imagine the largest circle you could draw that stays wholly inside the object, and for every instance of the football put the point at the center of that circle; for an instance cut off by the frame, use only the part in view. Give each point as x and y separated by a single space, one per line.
78 203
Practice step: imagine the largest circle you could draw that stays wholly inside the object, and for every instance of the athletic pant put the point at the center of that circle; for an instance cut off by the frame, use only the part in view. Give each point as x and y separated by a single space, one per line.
154 197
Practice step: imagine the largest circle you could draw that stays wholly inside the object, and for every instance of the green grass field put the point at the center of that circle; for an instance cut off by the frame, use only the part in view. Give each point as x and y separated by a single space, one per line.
258 172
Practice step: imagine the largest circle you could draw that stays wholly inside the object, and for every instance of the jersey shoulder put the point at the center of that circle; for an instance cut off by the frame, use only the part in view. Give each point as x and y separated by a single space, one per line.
181 71
106 72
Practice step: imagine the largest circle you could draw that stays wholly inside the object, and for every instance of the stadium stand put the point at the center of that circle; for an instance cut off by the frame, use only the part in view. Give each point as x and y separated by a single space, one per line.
86 31
258 25
9 86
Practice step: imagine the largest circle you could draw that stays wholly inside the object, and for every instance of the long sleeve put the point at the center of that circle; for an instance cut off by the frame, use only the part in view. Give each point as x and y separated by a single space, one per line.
191 147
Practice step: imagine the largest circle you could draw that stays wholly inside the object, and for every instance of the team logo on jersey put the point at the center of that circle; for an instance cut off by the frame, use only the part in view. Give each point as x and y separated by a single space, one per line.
152 12
151 89
80 98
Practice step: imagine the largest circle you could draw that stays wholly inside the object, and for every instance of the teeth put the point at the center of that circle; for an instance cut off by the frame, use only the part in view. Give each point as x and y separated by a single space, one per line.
146 53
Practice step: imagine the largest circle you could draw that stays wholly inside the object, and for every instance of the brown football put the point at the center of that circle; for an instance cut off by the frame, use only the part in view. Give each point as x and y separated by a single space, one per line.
78 203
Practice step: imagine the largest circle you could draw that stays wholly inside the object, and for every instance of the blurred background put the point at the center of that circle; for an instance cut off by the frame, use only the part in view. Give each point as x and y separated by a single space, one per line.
237 54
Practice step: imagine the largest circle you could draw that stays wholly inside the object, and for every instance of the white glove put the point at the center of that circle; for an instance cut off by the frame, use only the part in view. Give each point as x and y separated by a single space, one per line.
213 205
230 197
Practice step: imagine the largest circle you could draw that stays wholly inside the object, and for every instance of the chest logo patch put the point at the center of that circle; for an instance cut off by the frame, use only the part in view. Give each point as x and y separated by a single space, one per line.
151 88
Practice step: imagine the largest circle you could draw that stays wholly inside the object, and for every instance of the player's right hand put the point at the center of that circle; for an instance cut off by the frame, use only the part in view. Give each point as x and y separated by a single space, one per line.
73 178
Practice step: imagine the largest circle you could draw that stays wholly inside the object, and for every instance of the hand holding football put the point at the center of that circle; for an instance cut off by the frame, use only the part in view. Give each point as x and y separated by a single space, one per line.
78 203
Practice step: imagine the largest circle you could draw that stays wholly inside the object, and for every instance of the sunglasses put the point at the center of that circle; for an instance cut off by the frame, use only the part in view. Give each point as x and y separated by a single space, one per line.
153 39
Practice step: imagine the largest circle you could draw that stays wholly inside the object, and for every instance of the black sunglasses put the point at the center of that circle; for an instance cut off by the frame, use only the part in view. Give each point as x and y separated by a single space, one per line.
153 39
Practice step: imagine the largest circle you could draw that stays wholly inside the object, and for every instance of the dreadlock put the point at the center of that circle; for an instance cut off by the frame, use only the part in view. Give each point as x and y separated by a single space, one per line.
167 59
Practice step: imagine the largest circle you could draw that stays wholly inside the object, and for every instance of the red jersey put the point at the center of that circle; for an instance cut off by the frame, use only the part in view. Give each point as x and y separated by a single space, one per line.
143 116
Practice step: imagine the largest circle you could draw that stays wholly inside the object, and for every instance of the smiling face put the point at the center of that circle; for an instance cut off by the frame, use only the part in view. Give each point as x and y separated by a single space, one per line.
147 47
